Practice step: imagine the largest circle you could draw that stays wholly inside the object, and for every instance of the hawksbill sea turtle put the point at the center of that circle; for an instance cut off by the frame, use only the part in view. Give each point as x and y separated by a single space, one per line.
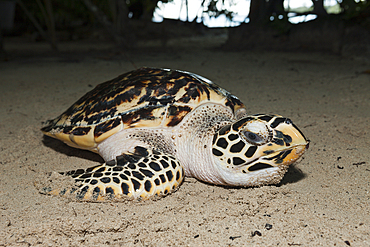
154 126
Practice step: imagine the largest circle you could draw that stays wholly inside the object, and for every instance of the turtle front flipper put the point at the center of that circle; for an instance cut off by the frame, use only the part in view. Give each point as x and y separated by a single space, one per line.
139 175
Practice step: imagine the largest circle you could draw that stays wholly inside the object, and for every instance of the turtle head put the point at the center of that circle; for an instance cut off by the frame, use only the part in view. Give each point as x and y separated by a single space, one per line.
257 150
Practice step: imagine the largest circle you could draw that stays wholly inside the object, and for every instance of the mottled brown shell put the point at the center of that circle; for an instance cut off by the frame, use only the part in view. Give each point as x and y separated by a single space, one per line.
146 97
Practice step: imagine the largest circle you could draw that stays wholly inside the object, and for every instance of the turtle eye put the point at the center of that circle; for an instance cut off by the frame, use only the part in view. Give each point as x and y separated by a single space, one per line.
253 138
255 132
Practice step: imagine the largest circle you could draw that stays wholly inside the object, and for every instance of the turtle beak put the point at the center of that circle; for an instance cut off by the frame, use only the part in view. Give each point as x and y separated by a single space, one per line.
294 142
298 138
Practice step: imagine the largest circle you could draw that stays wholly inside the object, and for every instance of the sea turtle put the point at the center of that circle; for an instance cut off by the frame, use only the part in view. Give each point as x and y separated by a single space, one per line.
155 126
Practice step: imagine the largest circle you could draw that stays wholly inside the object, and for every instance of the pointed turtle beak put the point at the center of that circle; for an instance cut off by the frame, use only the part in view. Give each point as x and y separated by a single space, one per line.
294 141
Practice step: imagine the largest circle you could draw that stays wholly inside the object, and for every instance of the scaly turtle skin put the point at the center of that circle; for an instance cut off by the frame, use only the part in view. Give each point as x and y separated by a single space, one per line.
155 126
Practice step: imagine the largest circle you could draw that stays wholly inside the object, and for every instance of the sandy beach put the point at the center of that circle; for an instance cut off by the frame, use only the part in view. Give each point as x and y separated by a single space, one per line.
323 200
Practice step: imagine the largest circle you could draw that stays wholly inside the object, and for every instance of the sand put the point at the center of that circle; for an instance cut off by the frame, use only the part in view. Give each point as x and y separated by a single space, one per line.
323 200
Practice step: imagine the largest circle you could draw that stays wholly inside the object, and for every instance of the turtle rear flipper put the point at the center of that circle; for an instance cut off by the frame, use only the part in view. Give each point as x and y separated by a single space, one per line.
142 174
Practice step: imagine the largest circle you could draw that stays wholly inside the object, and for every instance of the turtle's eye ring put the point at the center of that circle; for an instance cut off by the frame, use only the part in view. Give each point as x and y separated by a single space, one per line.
253 138
288 121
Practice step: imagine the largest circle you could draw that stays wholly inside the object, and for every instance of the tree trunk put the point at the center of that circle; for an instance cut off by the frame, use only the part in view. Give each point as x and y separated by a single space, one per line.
318 7
257 11
122 20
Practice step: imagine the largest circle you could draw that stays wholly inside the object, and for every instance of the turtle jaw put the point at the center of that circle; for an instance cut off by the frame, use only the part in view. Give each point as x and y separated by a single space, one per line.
264 170
282 157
